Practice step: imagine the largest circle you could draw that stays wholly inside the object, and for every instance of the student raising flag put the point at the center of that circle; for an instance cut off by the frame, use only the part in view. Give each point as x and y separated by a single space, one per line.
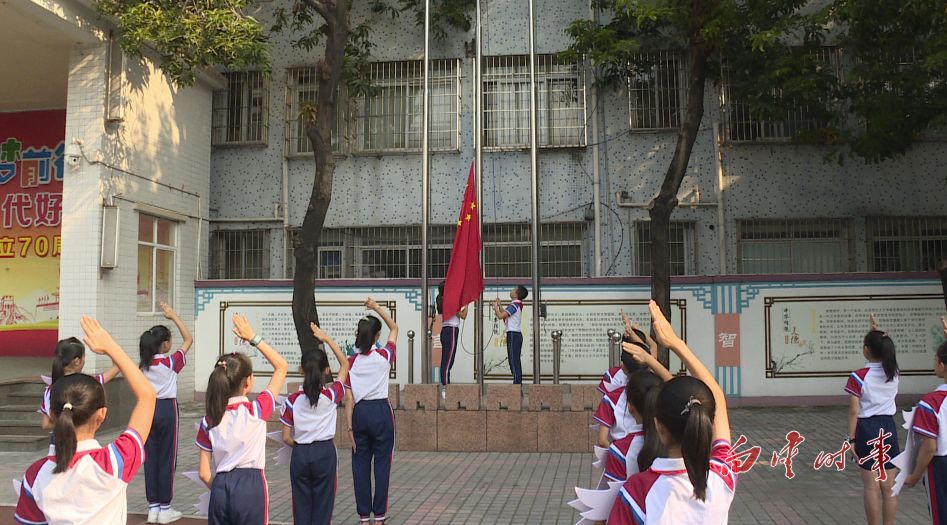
464 282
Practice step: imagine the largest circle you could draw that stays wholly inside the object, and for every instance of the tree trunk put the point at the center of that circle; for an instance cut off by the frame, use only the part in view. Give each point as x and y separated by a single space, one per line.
666 200
319 132
943 279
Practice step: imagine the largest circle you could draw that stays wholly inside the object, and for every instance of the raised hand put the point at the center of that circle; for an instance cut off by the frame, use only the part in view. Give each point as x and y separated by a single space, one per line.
318 333
872 323
96 338
640 354
242 328
627 322
663 331
371 304
167 310
943 321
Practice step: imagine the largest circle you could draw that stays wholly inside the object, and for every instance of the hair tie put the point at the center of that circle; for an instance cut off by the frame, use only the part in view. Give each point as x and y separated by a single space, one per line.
886 334
67 406
692 401
222 364
366 318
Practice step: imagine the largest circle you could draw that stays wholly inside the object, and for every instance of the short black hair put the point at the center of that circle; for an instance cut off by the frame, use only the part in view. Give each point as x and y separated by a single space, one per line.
521 292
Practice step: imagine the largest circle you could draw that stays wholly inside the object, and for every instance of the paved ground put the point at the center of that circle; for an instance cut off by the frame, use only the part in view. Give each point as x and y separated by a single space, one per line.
462 488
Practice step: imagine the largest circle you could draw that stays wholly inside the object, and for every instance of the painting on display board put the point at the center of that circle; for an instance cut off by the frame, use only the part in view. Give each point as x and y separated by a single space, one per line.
584 325
31 177
824 336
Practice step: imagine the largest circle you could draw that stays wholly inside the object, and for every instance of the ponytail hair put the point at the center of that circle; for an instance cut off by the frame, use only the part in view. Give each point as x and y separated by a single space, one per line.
314 364
368 329
74 399
149 344
881 347
686 408
226 381
642 393
67 350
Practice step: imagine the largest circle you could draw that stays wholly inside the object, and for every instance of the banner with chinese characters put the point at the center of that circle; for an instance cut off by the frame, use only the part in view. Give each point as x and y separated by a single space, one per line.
824 336
31 175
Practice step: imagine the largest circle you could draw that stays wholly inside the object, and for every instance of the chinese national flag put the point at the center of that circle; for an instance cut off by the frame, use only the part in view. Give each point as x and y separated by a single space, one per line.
464 282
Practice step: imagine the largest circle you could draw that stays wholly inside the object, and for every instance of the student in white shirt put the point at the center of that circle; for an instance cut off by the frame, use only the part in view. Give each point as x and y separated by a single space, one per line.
309 421
512 316
370 418
85 483
450 334
232 436
930 423
873 390
69 359
161 368
692 483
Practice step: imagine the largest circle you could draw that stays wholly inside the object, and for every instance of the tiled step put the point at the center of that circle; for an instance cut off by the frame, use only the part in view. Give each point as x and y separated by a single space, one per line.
26 414
25 399
18 427
24 443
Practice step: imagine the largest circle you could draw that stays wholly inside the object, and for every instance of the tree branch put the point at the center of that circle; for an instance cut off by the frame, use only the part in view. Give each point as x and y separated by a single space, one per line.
320 7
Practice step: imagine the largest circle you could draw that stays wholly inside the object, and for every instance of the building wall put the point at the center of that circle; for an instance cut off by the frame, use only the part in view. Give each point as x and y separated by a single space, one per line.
155 161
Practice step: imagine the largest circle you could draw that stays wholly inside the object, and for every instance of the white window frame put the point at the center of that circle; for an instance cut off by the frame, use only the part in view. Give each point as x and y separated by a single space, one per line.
219 255
155 246
690 247
253 86
507 78
648 92
796 232
909 231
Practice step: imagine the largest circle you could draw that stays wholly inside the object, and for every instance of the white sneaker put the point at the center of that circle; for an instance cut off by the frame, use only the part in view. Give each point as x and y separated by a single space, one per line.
152 515
168 516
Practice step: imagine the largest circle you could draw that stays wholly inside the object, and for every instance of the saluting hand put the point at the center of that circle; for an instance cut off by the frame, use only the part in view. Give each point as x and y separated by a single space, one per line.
242 328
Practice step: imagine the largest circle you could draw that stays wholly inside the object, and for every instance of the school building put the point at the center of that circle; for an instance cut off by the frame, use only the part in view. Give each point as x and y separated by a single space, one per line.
194 195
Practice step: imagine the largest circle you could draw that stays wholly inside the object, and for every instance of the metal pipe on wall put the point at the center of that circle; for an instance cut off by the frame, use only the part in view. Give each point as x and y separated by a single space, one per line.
534 170
478 166
596 168
425 189
721 184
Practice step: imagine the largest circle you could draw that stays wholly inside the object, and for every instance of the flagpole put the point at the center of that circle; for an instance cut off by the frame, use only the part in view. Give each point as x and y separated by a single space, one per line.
534 171
426 368
478 175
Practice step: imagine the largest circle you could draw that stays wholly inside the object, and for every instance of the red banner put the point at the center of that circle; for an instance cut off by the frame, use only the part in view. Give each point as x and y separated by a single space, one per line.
31 174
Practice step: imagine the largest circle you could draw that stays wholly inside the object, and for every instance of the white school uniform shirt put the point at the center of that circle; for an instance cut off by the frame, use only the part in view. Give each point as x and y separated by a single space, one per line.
613 413
91 492
163 373
612 379
874 392
44 404
313 424
453 321
663 494
368 373
930 417
239 440
515 320
622 460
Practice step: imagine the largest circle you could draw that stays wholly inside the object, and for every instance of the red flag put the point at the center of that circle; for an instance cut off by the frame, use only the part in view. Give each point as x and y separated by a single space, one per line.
464 282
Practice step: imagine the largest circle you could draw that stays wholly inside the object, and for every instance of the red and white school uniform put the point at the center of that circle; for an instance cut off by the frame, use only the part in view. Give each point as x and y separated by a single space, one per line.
663 494
613 413
162 444
373 429
313 470
91 492
612 379
930 421
622 459
876 409
239 493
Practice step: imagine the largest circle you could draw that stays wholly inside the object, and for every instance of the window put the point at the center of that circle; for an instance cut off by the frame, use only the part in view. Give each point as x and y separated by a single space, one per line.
656 91
395 252
682 248
560 102
508 249
906 244
240 254
794 246
744 124
330 254
391 117
241 112
156 243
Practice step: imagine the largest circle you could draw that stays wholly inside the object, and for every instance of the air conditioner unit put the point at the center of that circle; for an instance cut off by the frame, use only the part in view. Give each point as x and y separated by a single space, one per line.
109 237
